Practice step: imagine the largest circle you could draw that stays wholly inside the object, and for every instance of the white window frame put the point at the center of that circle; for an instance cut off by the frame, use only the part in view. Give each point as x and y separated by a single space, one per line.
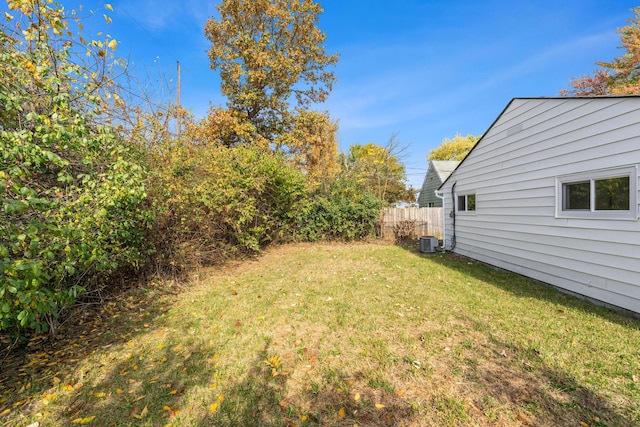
591 177
466 210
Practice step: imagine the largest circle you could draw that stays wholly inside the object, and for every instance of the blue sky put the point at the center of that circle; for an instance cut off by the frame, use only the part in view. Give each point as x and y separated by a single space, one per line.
424 69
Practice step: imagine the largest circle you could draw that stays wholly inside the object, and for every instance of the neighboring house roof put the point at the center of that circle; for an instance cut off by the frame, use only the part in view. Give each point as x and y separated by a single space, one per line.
437 172
444 168
568 98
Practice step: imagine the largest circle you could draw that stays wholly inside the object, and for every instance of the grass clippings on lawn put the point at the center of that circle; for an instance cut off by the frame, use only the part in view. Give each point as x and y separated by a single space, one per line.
335 335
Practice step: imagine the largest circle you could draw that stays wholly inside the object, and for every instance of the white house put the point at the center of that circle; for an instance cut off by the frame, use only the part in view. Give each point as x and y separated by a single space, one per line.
551 192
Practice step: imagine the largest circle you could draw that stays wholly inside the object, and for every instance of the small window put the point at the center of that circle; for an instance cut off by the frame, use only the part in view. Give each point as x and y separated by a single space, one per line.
471 202
462 203
576 196
466 203
599 194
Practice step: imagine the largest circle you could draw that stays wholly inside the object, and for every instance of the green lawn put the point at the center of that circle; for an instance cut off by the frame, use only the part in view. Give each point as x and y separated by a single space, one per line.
333 335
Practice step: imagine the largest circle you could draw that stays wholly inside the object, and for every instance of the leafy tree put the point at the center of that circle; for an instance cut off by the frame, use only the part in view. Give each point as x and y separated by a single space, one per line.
269 52
621 76
311 145
455 148
589 85
224 127
379 170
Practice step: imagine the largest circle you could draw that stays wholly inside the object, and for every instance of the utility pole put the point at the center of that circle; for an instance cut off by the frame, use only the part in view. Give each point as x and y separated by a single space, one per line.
178 101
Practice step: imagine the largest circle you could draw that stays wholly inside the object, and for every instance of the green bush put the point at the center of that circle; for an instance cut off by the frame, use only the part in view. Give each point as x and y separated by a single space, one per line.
342 212
73 198
73 212
220 202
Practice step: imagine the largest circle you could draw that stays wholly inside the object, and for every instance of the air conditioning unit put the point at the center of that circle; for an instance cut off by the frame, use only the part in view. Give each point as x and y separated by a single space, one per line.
428 244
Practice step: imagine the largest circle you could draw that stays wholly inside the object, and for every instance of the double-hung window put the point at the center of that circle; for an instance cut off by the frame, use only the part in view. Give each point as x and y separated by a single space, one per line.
609 193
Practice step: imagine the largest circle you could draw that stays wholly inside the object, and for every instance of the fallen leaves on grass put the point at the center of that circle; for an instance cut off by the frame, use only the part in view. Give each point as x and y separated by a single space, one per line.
144 412
135 412
172 411
215 405
275 363
85 420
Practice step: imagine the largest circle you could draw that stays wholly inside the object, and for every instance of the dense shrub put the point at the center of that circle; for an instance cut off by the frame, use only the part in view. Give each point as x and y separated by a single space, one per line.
69 219
73 212
342 212
72 196
219 202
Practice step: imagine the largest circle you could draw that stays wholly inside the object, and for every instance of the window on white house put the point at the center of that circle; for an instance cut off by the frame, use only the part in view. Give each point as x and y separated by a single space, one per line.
462 203
577 196
612 194
467 203
471 202
600 194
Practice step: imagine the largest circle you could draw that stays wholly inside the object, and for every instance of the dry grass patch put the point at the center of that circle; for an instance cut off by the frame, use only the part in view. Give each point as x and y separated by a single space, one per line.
340 335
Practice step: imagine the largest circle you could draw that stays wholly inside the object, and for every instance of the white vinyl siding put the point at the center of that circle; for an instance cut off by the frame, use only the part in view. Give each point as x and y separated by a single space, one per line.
519 166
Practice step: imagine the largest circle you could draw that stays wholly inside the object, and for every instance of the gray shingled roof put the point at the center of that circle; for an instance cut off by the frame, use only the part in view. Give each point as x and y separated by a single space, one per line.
444 168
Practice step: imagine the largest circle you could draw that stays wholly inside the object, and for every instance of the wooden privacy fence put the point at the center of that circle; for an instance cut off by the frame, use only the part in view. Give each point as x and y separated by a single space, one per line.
424 221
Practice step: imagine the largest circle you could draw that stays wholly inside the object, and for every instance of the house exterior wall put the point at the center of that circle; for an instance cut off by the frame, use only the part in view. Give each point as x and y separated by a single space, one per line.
427 198
513 172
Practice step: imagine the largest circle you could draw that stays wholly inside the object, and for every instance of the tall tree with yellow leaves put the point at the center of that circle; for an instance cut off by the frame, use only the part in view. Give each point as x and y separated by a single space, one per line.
311 145
455 148
268 53
379 170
